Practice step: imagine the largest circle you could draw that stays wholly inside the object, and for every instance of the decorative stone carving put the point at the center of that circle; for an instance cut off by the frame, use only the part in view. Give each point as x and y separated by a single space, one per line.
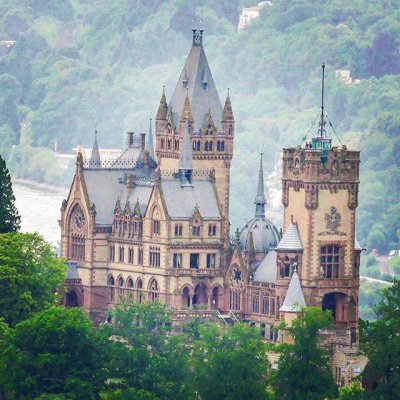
311 202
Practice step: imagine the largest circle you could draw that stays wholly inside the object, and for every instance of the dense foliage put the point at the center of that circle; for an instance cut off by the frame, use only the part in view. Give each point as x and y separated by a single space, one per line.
380 341
58 352
30 274
9 217
304 371
75 64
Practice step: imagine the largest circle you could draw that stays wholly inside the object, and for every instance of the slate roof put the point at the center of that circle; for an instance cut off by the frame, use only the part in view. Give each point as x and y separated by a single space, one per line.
103 188
294 299
265 235
138 193
196 80
291 239
266 269
182 200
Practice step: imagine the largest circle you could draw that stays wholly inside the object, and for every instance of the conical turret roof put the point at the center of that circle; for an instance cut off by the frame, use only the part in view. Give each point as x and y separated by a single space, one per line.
203 96
228 112
163 107
294 299
95 155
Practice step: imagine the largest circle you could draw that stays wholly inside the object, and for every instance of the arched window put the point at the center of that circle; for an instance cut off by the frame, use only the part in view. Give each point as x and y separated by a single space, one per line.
155 224
265 303
162 143
285 269
139 292
235 300
129 283
154 290
120 286
111 284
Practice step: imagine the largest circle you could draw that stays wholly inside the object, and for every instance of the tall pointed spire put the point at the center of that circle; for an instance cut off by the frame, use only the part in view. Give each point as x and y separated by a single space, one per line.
187 109
149 144
260 200
95 156
163 107
227 114
186 158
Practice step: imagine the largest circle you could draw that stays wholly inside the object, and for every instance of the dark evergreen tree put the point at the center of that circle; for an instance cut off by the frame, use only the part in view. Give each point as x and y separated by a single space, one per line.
9 217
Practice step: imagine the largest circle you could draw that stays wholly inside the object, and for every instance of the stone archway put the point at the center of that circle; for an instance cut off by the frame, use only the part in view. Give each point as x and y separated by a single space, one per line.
200 295
185 298
342 307
71 299
215 298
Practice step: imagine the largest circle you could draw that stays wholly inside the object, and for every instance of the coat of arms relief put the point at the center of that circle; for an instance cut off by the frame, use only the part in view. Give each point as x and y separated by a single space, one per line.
333 221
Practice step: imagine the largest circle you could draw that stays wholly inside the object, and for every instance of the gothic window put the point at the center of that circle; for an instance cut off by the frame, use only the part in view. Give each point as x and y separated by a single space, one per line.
255 302
120 286
177 260
77 248
155 257
154 290
272 312
230 130
112 253
169 144
195 230
178 229
212 230
129 283
177 145
140 256
235 300
330 261
121 254
285 268
208 145
162 143
211 260
131 255
139 287
220 145
194 260
265 304
196 145
156 227
278 306
111 283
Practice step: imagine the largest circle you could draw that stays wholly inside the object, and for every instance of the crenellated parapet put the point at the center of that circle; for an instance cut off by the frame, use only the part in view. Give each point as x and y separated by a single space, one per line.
313 170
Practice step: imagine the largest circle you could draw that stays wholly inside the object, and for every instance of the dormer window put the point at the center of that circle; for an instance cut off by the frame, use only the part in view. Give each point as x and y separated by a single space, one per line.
196 231
178 230
212 230
156 227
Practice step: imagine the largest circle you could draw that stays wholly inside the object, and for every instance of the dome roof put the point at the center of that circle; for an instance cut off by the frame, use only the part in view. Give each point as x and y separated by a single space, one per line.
263 232
265 235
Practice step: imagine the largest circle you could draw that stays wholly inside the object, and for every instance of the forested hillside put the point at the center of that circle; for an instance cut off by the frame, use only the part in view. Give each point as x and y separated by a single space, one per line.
75 62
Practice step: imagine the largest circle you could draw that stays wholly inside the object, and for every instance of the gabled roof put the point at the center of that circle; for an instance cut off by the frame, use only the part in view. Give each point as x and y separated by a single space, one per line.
182 200
294 299
203 95
291 239
266 269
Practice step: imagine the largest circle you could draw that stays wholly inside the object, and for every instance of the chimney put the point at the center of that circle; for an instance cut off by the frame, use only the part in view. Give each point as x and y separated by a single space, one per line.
130 139
142 141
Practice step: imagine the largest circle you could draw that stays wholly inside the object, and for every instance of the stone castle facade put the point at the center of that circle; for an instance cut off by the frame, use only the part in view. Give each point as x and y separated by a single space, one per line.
154 224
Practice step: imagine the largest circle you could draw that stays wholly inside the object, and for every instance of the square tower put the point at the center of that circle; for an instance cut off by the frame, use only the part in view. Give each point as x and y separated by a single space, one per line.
320 195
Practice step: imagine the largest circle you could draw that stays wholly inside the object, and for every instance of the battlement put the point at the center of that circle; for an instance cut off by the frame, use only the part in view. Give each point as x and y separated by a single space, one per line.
323 164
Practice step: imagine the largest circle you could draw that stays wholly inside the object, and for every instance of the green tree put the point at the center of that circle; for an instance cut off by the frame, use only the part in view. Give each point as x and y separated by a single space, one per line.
230 363
380 341
303 370
128 394
30 275
9 217
56 352
145 356
354 391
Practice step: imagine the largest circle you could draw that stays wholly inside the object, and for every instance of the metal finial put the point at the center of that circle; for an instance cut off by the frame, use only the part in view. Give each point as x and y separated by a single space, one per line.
322 123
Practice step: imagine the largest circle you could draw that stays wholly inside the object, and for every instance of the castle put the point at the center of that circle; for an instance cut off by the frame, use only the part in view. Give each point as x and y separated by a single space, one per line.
154 223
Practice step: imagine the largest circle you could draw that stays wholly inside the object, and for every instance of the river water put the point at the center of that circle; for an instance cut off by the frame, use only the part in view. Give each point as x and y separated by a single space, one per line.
39 208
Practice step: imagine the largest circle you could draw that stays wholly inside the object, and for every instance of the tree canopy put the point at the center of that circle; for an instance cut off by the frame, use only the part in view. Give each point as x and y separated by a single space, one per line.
9 217
30 275
304 371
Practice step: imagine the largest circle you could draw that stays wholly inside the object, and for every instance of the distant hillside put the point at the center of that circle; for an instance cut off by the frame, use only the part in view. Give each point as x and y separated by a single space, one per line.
78 62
